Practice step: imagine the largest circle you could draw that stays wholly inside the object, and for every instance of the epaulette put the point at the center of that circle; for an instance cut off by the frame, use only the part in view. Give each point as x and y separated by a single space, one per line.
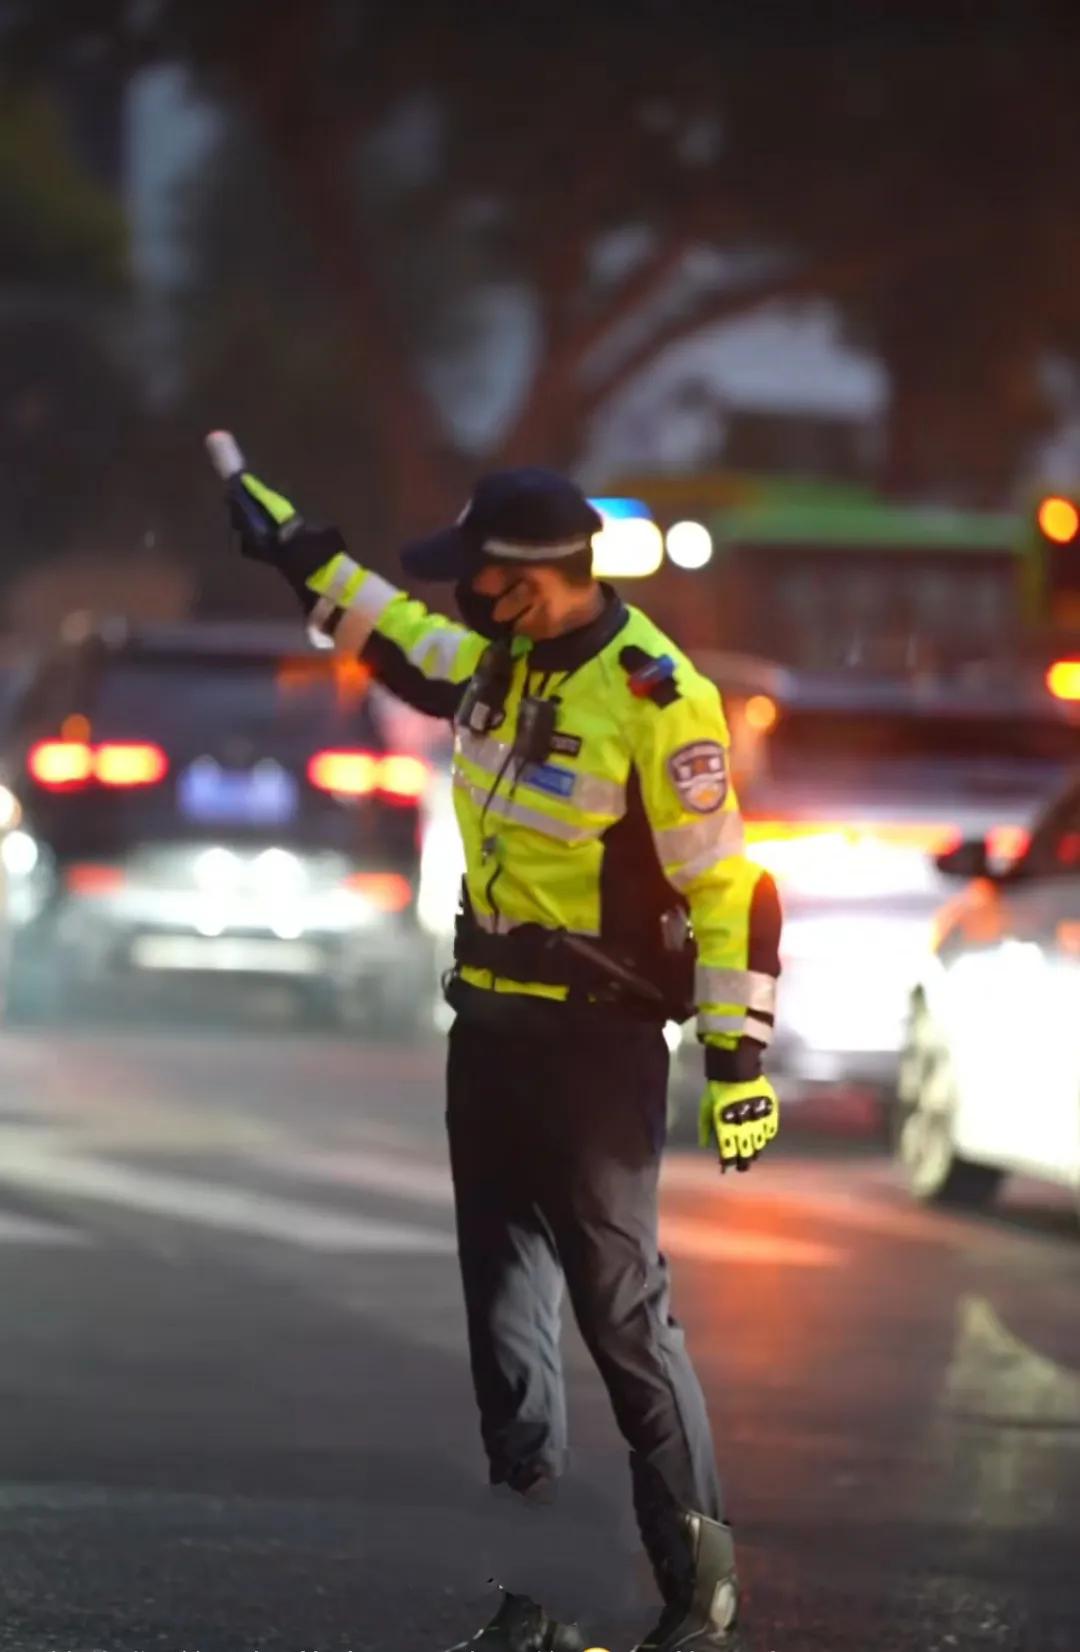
651 677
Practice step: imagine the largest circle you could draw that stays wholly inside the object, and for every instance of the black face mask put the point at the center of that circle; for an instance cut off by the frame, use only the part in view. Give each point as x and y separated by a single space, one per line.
478 612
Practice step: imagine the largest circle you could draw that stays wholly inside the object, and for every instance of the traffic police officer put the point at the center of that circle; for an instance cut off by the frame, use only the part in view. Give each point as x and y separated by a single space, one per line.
605 891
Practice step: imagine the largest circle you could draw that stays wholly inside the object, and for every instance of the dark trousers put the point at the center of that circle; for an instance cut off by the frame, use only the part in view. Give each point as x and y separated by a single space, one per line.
555 1135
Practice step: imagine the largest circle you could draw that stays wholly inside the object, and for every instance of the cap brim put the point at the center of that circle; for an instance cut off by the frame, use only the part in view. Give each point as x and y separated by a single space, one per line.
449 554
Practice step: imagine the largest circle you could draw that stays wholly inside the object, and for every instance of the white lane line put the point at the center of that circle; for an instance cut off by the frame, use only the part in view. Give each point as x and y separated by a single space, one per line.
25 1230
219 1206
429 1183
423 1181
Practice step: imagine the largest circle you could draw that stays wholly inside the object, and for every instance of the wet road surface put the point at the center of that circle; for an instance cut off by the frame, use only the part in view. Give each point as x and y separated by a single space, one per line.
236 1411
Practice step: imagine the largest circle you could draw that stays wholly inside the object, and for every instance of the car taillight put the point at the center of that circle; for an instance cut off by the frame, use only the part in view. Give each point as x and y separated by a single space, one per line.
91 878
386 891
1004 844
403 779
61 765
134 764
65 765
397 778
345 773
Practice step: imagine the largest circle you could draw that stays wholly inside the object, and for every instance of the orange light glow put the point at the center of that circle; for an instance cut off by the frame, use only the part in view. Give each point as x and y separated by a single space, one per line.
345 773
89 878
60 764
1059 520
75 727
130 765
761 713
403 779
1063 679
930 838
386 891
1005 844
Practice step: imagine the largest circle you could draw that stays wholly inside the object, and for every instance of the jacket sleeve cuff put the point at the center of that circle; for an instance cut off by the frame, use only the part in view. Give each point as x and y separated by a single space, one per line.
735 1065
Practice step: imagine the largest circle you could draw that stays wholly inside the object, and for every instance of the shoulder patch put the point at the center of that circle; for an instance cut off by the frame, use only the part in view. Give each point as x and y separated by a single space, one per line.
699 774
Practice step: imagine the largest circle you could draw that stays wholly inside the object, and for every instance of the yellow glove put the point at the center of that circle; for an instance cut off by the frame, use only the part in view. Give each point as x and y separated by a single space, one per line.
742 1119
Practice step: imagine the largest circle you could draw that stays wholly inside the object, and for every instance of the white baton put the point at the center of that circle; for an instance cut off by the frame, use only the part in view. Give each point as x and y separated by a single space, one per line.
224 453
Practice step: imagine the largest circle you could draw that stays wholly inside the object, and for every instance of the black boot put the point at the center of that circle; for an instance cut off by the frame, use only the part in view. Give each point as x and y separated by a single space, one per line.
701 1590
520 1625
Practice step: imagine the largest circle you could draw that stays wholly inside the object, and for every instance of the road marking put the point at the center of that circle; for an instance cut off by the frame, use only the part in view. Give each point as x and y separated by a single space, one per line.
429 1183
995 1375
423 1180
216 1205
26 1230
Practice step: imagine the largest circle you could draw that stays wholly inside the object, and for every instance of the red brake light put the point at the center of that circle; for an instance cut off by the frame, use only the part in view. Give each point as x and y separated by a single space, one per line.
130 765
345 773
396 778
61 765
386 891
90 878
66 765
403 779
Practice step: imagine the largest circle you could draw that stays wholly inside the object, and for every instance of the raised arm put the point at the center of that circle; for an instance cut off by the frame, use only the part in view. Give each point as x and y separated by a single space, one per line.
423 658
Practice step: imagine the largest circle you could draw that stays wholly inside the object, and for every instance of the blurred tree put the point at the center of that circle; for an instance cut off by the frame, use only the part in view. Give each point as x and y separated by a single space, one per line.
66 402
622 184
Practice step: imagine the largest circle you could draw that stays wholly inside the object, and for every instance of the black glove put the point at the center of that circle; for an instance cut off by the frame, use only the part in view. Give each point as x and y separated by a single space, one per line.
271 530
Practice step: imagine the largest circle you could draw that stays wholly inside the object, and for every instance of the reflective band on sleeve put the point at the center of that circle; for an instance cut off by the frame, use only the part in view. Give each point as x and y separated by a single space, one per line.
721 833
698 845
735 1024
761 1031
434 653
507 808
364 598
735 986
732 1021
681 877
331 579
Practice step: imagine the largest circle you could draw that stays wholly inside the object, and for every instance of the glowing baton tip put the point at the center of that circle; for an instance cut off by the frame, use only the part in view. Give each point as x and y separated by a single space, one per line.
224 453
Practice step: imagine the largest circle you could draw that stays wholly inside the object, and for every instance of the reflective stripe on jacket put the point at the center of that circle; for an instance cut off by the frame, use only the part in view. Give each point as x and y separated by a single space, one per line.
632 811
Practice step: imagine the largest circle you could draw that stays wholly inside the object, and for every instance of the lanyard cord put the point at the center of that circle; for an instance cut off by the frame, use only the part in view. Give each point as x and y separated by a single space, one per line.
522 764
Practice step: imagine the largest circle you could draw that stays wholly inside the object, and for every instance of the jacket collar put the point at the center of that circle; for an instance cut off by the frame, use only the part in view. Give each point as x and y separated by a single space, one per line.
574 648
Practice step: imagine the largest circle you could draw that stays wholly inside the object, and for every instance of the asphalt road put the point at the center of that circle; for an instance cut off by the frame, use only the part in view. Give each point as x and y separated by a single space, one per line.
235 1410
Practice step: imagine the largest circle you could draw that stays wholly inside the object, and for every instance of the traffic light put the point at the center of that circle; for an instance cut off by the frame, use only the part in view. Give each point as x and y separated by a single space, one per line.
1056 532
1058 519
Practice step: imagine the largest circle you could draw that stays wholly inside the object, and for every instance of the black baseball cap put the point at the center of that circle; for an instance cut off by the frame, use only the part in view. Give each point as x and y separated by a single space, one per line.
523 515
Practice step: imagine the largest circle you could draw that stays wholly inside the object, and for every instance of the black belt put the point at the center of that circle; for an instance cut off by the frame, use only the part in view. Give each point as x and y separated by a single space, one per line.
561 958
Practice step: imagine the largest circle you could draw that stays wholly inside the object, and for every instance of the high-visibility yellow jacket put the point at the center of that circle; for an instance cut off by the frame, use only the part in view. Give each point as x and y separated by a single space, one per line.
632 811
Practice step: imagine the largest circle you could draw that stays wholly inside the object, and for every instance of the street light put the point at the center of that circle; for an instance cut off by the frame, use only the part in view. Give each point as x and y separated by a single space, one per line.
689 545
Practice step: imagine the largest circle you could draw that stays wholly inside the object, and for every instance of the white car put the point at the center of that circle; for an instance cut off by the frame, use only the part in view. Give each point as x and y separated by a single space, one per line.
856 786
989 1079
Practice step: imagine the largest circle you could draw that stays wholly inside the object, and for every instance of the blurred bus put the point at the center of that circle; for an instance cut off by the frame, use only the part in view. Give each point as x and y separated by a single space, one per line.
822 576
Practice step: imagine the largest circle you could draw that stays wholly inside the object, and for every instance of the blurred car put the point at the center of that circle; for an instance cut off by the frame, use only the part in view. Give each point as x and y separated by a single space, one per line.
989 1077
13 669
849 787
212 799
